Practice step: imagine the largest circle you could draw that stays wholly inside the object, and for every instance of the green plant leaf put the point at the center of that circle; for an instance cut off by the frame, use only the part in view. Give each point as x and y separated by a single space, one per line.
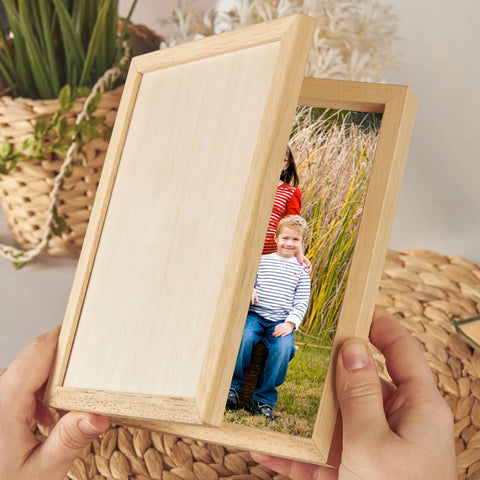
21 60
28 143
19 265
62 128
58 42
34 53
61 149
93 104
89 131
5 149
47 36
58 225
123 33
40 127
7 65
71 39
8 76
81 92
95 42
65 98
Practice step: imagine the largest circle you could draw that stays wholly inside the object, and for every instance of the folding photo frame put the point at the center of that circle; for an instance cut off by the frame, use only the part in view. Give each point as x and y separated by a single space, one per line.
160 296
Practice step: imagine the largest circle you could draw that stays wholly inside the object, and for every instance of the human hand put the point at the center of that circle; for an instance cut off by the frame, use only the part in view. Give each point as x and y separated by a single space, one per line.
283 329
254 297
404 434
23 456
303 260
307 264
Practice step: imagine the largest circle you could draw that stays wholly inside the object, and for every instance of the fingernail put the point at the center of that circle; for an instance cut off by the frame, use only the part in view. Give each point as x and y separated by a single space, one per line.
355 355
88 429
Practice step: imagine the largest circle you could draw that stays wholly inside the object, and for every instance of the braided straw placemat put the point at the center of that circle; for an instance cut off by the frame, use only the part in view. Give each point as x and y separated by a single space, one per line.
423 290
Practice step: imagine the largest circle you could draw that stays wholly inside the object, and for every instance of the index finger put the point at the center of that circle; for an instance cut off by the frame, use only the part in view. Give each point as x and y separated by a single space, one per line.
29 371
404 360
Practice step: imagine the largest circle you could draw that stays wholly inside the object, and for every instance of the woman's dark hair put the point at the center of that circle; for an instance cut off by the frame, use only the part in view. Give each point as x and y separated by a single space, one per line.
290 175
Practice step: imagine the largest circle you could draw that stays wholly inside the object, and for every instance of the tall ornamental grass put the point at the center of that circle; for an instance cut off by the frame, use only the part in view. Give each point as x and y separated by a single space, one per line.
334 156
52 43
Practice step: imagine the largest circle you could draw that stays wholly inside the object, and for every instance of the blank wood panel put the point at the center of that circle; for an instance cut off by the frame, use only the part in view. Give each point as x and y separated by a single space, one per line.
162 255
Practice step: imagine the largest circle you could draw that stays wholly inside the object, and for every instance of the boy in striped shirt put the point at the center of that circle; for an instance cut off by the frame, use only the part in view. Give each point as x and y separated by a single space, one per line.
279 303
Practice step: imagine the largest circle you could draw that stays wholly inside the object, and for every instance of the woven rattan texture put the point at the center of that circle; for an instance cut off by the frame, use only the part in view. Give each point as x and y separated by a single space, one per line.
24 193
423 290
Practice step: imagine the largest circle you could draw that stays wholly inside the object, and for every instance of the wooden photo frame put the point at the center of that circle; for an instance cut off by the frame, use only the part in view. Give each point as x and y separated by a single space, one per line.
163 283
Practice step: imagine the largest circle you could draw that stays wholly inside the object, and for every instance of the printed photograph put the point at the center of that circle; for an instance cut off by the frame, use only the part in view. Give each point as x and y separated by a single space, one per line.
298 293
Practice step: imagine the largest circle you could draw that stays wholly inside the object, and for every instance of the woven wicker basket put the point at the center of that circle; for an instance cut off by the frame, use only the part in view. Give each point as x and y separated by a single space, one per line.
24 193
423 290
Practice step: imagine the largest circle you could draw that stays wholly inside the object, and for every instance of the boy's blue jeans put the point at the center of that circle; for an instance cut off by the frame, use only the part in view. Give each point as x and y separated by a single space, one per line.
280 352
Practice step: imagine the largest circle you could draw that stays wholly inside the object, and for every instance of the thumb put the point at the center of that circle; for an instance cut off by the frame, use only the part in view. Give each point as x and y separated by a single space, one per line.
69 437
359 394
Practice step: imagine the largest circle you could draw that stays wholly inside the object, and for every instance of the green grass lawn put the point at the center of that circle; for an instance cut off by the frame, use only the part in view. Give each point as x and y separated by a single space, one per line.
298 397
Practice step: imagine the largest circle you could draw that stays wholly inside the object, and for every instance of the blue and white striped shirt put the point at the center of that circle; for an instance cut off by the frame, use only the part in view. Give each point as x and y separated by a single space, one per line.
283 289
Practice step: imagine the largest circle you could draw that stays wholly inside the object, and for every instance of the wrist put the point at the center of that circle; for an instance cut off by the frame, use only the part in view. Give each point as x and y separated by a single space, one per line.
292 320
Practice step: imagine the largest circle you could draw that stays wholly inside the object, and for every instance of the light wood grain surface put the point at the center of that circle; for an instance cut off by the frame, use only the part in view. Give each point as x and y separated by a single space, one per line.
162 255
174 240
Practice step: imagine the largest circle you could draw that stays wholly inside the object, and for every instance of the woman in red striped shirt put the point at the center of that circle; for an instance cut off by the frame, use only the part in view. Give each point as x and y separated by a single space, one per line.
288 201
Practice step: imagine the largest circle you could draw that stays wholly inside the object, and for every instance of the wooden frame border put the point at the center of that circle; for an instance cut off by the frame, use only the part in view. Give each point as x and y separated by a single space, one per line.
398 105
290 37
